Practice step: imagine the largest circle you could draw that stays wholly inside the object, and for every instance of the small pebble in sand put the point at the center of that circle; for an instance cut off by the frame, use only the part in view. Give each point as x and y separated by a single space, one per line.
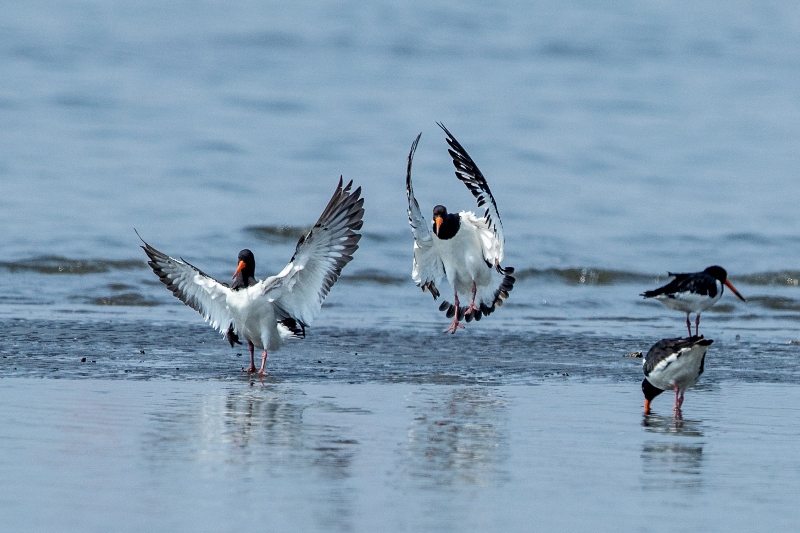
83 359
633 354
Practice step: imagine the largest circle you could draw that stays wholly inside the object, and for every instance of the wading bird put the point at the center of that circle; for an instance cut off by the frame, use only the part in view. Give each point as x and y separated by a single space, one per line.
694 293
268 312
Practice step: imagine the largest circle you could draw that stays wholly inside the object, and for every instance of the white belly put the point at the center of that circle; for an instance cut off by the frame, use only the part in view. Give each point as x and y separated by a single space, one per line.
462 257
254 317
683 372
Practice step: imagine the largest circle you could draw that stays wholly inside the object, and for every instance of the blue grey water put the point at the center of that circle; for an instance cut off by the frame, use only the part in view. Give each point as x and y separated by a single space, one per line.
621 140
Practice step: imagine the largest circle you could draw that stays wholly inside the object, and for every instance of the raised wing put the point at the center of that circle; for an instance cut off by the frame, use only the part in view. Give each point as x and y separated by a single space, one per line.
467 171
193 287
301 287
428 269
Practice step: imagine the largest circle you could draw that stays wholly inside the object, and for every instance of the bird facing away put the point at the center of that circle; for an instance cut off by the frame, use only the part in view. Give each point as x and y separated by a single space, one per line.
465 248
694 293
268 312
673 364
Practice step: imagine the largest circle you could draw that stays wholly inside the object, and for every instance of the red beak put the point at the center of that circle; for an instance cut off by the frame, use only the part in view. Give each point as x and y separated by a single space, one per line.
732 288
438 221
242 265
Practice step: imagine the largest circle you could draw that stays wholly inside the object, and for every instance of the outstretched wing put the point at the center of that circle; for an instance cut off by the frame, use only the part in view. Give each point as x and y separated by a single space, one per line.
301 287
428 269
467 171
193 287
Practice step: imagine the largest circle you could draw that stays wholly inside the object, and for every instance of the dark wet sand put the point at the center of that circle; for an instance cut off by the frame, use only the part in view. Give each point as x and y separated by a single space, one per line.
158 455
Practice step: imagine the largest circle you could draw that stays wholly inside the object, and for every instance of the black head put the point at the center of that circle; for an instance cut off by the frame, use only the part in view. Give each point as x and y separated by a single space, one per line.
245 271
445 225
716 272
650 392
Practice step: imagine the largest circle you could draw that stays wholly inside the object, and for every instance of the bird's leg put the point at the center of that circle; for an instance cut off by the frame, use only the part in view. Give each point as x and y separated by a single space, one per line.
678 400
697 325
688 324
263 362
252 348
472 306
455 325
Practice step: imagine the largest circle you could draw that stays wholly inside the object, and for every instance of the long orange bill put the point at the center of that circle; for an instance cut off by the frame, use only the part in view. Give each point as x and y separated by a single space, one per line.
646 406
438 221
242 265
732 288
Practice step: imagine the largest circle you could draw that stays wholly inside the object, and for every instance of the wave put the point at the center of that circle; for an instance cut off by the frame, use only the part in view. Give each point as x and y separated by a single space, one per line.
277 233
55 264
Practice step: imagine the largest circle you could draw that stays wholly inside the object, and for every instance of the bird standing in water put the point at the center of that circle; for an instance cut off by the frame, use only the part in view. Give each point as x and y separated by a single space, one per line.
268 312
694 293
673 364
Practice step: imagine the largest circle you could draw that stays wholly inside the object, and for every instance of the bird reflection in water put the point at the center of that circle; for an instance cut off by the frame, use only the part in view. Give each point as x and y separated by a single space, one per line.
459 438
675 458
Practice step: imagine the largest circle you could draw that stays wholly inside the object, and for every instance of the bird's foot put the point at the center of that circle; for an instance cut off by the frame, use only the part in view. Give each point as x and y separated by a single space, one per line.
250 370
454 326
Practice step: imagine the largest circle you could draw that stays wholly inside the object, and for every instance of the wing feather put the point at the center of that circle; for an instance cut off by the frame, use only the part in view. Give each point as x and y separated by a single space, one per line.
300 288
467 171
428 270
193 287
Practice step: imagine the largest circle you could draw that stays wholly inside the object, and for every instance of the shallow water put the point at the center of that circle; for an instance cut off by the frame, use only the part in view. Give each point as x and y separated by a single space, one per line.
94 455
621 141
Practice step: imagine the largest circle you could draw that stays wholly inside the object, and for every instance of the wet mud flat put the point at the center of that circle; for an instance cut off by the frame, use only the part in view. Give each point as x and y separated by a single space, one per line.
490 355
226 455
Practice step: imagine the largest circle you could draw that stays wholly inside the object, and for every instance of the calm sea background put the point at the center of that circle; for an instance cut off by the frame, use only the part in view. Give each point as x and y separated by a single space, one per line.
621 140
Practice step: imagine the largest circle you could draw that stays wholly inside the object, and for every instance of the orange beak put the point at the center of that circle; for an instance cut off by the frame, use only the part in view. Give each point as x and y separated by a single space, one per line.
646 406
438 221
238 269
732 288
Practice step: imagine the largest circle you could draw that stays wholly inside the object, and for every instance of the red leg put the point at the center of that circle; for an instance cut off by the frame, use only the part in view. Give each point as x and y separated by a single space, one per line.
688 324
697 325
252 358
456 324
263 362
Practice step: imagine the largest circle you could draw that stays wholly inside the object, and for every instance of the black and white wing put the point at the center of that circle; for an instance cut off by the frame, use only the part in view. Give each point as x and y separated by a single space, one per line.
668 351
428 269
467 171
301 287
196 289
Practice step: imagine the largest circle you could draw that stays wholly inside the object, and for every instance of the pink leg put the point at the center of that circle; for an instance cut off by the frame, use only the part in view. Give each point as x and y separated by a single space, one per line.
263 362
678 402
697 324
472 306
688 324
252 358
455 325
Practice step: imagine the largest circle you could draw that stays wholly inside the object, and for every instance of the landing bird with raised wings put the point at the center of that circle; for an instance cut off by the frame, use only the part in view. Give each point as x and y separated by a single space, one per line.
270 311
694 293
463 247
673 364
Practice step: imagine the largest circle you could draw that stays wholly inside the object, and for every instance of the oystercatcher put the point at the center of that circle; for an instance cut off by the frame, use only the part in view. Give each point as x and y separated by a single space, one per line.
673 364
694 293
268 312
463 247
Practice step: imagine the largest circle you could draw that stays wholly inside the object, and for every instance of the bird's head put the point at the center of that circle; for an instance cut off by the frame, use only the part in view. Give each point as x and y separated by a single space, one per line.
439 214
247 264
719 273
